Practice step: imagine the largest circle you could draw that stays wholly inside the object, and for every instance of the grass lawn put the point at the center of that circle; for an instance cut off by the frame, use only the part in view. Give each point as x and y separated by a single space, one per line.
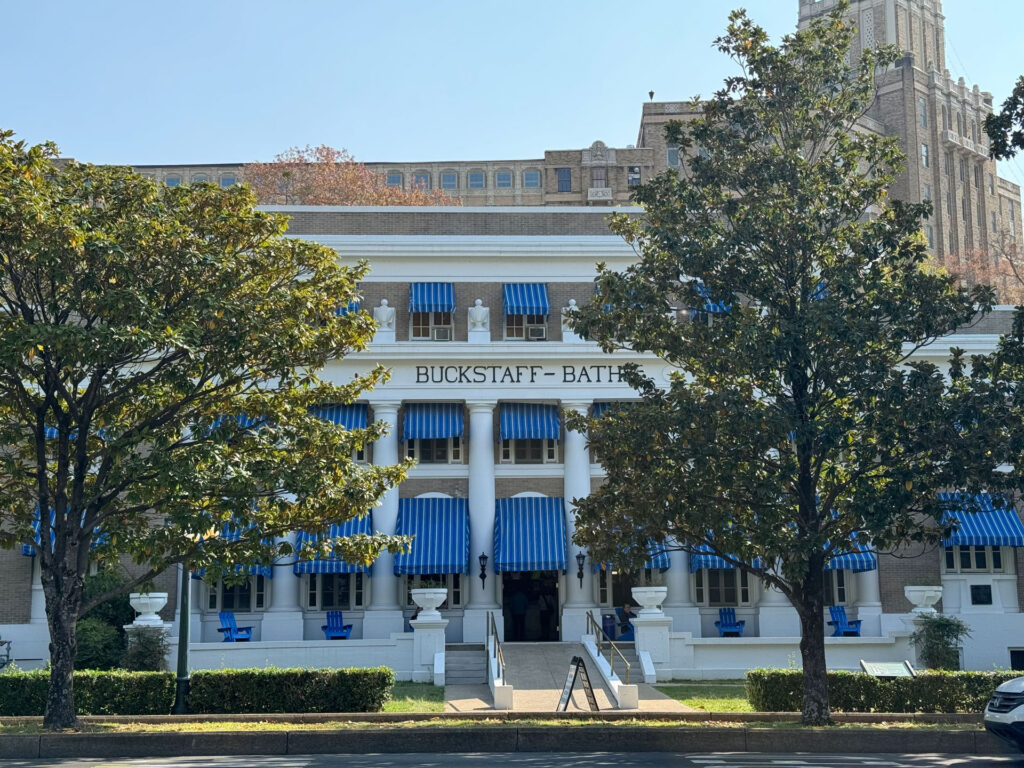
711 695
415 697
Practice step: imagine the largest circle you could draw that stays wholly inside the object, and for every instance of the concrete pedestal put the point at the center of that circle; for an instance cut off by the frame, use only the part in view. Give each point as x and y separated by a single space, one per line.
651 634
428 641
384 337
479 337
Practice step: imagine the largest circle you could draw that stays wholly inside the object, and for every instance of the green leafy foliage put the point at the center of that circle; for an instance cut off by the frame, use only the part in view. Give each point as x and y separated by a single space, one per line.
96 693
1005 129
116 611
145 649
938 640
290 690
159 357
781 690
100 646
789 292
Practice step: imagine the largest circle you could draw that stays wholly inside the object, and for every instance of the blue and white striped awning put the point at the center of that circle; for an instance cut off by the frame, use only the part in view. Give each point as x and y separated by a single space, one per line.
529 421
862 559
529 534
352 416
525 298
234 533
440 527
362 524
659 559
988 527
432 421
432 297
29 551
714 307
704 557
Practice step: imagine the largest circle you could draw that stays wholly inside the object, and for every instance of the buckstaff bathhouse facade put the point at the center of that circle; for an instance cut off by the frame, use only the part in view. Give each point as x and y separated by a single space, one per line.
470 305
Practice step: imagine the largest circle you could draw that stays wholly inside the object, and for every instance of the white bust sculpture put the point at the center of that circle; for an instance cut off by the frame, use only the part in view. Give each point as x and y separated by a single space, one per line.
384 316
567 312
479 317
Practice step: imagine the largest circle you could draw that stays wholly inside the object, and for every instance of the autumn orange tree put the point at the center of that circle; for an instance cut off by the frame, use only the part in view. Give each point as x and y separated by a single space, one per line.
323 175
1001 267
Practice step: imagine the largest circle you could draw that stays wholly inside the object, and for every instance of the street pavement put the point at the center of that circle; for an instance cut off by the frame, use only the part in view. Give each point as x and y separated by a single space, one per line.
547 760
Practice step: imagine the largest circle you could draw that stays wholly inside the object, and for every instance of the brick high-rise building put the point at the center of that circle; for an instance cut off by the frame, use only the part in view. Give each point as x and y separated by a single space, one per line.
939 122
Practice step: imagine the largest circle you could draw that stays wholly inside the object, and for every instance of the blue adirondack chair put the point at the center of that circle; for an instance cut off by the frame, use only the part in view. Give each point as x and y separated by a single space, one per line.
843 626
334 629
727 624
625 627
232 632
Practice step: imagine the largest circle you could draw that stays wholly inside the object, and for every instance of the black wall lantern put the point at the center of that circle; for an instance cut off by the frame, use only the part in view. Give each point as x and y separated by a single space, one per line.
581 558
483 568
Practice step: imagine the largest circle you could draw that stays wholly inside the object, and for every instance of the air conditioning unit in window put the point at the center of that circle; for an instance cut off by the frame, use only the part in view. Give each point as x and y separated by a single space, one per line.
441 334
536 333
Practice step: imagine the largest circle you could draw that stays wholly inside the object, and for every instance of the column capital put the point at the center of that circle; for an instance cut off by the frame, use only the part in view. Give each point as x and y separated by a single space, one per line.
482 405
580 406
386 406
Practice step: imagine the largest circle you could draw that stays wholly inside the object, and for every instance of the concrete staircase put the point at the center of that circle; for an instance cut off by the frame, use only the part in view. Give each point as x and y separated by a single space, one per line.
628 650
465 664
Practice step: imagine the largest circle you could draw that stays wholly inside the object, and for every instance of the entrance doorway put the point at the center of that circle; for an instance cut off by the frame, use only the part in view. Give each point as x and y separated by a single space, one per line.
529 603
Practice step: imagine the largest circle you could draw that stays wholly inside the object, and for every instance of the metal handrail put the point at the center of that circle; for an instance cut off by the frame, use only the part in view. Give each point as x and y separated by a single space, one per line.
613 649
492 631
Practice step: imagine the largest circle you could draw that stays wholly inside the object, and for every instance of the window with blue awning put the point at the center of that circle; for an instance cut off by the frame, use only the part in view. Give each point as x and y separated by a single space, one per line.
529 421
986 527
440 531
351 527
525 299
432 297
659 559
860 560
529 534
432 421
352 416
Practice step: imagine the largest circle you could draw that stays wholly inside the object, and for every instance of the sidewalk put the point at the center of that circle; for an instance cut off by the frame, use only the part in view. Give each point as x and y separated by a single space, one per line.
537 672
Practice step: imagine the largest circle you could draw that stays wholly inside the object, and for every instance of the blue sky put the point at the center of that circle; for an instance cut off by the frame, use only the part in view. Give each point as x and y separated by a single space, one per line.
195 81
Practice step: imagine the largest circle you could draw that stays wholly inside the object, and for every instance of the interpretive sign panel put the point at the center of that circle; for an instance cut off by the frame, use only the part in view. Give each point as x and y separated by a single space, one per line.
888 668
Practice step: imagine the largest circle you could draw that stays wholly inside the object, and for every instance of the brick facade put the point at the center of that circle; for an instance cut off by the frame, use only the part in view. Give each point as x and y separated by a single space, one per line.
915 564
15 586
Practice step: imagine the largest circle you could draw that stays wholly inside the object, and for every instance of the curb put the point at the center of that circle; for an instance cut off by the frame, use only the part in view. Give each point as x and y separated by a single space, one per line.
496 739
697 716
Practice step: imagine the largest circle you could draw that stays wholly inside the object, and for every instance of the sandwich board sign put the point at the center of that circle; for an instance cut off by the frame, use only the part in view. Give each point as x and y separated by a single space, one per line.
577 669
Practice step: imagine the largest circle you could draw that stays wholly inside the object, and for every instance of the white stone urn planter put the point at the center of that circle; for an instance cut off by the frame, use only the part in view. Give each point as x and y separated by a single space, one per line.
923 598
428 600
650 599
147 605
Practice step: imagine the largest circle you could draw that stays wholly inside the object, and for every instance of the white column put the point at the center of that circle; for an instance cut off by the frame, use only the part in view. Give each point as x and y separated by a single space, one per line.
579 600
384 615
37 604
869 603
481 523
679 604
776 616
283 618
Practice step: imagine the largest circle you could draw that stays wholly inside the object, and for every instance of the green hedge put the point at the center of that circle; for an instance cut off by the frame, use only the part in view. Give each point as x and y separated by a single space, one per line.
290 690
114 692
231 691
781 690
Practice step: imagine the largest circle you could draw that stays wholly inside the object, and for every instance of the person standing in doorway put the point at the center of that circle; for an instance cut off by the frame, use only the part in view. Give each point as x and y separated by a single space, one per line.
518 605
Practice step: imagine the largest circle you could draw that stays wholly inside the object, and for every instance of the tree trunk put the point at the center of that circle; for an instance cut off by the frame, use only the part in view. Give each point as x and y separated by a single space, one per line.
60 700
812 654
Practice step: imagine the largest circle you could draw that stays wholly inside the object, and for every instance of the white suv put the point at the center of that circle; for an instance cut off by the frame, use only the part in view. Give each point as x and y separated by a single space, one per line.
1004 715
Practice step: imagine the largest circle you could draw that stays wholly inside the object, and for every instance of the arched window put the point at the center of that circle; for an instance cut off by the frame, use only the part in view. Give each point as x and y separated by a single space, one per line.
945 118
959 124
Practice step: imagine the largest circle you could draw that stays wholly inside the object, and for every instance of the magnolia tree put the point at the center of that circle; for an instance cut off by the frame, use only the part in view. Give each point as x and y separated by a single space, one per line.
159 351
323 175
796 427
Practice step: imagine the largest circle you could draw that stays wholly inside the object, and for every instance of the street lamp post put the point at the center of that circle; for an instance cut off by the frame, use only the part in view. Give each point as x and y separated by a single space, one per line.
182 682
